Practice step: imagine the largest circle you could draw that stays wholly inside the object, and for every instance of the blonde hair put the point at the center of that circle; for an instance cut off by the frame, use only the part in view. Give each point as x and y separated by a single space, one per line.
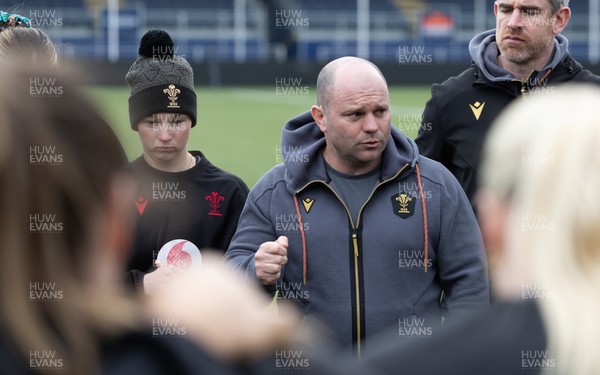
542 157
73 187
29 45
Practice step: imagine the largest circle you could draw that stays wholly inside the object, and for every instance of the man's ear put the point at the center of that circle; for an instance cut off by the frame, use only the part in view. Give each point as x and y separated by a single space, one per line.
318 115
562 17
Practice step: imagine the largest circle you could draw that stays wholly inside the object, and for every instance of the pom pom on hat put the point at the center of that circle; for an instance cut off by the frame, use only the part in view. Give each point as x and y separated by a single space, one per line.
156 43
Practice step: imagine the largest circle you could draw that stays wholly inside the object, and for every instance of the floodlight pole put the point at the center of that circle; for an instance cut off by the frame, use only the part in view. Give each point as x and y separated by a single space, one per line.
112 25
480 9
362 28
593 32
239 19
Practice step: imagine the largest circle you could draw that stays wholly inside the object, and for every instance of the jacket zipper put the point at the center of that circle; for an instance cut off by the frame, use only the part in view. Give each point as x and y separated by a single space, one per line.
357 288
354 238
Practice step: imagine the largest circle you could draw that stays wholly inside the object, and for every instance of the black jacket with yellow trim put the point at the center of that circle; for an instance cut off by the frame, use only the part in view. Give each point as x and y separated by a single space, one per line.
461 110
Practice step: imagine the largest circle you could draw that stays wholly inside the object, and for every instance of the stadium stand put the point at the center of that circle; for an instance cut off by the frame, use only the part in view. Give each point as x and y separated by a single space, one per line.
303 30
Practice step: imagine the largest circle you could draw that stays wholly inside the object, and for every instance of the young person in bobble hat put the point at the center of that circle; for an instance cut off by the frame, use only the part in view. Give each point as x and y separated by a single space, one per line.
184 203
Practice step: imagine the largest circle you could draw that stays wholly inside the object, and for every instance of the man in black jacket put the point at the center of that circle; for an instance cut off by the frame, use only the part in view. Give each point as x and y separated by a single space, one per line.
524 54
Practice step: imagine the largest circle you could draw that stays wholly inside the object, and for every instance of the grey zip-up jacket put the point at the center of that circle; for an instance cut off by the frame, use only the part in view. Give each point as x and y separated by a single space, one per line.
372 275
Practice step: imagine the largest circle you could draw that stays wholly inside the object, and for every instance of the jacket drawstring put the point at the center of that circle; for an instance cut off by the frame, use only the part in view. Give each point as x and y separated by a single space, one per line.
425 227
525 87
303 238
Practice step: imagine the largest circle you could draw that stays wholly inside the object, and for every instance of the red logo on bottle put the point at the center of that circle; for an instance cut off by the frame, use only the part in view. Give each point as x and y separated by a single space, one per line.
215 202
178 257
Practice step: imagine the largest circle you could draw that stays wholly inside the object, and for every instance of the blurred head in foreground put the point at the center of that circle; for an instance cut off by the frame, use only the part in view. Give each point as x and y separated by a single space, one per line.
27 45
65 227
540 215
60 218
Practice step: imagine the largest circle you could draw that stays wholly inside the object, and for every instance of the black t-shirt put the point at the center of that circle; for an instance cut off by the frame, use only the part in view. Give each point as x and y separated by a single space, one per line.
201 205
354 190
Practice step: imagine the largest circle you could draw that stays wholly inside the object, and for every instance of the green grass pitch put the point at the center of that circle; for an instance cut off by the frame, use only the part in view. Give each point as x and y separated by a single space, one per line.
239 129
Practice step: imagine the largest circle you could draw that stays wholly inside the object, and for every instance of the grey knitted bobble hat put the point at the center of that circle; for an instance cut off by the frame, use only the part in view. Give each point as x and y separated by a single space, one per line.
159 80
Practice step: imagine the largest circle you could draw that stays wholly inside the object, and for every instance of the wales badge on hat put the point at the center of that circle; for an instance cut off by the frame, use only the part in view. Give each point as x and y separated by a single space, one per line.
172 92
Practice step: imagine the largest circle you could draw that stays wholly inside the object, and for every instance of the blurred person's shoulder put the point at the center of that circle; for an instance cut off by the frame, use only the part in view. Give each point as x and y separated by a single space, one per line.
130 353
146 353
507 338
13 362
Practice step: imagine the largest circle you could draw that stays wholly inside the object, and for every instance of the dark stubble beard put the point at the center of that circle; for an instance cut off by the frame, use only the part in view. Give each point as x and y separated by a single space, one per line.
527 54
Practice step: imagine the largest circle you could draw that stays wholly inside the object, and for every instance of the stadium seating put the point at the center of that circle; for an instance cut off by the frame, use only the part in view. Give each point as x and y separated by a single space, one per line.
205 29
